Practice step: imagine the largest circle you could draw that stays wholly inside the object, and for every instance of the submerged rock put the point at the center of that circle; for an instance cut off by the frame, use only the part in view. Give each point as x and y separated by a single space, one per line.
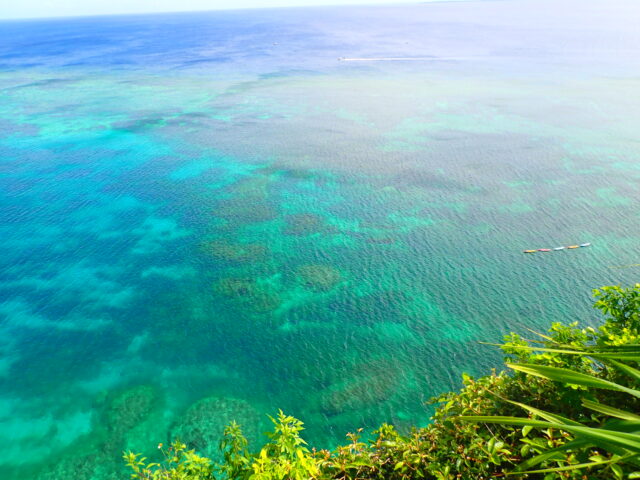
304 224
93 466
236 287
129 408
236 252
259 298
263 302
202 424
319 277
255 186
372 383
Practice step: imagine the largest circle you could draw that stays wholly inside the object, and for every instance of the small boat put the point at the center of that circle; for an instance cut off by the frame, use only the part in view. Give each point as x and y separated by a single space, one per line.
585 244
544 249
573 246
530 251
559 248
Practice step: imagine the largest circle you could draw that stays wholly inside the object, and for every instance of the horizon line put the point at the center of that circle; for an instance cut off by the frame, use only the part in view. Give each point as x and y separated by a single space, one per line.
386 3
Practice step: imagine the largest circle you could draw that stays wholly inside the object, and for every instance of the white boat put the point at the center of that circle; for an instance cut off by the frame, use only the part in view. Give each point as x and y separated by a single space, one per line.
559 248
585 244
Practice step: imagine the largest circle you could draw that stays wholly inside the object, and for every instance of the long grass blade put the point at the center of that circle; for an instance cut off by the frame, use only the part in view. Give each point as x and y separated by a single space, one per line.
549 417
629 441
576 466
569 376
611 411
632 372
549 454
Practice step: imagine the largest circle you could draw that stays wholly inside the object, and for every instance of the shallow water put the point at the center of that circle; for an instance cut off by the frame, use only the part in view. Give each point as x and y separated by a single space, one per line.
213 216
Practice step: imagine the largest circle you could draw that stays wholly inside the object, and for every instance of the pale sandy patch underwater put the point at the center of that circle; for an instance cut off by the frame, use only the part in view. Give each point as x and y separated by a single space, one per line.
208 222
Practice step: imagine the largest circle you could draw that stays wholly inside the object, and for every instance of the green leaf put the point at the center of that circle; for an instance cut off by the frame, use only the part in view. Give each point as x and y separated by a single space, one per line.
611 411
630 441
632 372
617 470
569 467
549 417
557 453
491 444
565 375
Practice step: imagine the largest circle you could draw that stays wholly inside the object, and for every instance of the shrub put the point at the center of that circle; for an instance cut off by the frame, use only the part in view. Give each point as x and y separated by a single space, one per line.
573 383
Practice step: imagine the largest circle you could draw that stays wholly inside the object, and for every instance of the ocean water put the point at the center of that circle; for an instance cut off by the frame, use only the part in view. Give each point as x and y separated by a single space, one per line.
211 216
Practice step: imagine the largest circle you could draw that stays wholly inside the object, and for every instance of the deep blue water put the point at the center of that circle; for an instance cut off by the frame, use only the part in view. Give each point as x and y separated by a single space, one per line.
211 216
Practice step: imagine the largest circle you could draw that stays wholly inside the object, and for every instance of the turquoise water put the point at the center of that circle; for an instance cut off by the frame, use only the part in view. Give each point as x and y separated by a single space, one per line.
211 216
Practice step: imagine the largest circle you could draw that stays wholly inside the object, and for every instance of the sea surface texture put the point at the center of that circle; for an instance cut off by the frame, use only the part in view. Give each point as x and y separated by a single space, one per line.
210 216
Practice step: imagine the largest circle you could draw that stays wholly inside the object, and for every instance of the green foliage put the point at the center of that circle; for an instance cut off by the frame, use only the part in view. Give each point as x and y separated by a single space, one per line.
234 448
578 387
179 464
619 438
286 455
623 307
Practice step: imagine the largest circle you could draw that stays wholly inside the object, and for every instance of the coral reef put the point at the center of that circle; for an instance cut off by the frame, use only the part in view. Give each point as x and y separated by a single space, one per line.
93 466
236 252
263 302
235 287
254 186
259 298
98 459
305 224
371 383
128 409
248 202
318 277
202 424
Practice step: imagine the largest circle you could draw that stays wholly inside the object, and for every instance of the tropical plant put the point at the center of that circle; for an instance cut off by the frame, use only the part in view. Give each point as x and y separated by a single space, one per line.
234 448
286 455
604 434
179 464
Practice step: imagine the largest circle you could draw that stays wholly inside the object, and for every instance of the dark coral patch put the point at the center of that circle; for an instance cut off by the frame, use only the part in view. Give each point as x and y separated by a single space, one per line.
369 384
202 424
307 224
258 298
236 252
129 408
236 287
318 277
